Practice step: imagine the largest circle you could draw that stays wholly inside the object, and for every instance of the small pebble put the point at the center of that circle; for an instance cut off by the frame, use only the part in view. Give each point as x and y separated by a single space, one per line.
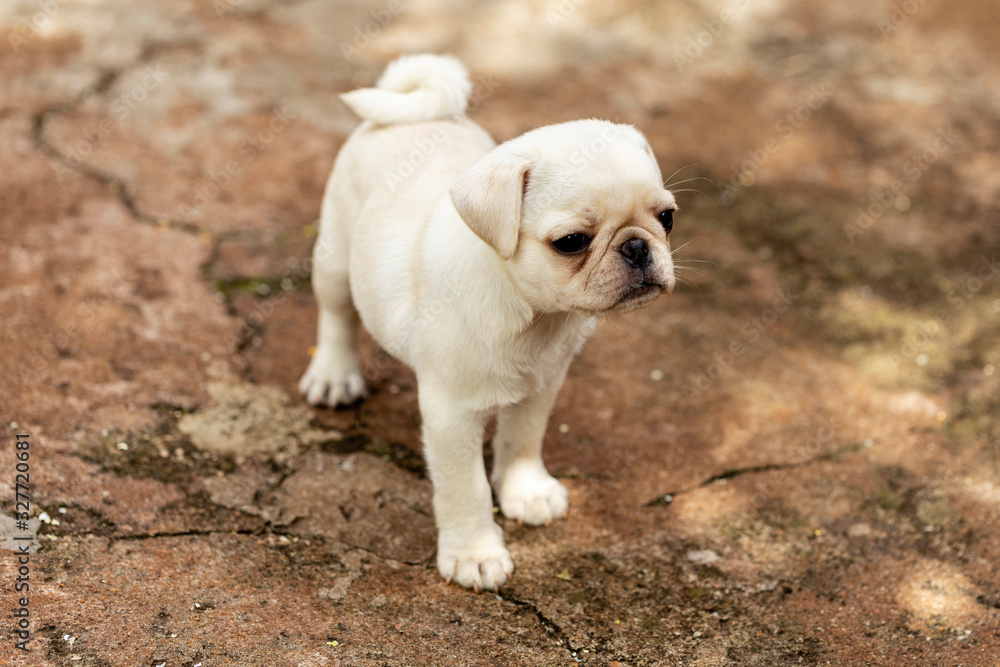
702 556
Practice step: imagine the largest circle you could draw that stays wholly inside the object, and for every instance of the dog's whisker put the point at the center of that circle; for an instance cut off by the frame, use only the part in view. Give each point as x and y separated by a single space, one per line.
677 172
688 180
700 274
686 282
682 265
677 250
674 251
690 284
688 262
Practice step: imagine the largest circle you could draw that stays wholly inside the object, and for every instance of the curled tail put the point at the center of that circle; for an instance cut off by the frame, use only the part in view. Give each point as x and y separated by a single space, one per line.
413 89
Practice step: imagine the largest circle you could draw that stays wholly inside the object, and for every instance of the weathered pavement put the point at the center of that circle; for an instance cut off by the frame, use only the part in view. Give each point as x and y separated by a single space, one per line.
792 460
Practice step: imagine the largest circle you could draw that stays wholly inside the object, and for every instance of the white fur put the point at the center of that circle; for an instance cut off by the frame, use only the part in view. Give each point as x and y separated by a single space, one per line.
466 288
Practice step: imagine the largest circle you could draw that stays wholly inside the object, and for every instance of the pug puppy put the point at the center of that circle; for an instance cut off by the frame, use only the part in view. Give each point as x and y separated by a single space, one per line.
482 267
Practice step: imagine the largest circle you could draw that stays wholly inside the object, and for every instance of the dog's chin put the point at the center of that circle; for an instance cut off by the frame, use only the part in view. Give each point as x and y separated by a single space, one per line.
637 296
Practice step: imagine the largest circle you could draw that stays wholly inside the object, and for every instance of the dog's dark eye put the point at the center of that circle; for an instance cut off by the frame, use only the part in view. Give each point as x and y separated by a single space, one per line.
572 244
666 219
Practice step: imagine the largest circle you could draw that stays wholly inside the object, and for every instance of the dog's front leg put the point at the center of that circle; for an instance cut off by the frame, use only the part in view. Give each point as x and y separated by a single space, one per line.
526 490
471 549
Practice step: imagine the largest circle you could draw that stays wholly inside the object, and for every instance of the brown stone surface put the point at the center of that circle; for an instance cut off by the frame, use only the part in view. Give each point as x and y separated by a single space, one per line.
792 460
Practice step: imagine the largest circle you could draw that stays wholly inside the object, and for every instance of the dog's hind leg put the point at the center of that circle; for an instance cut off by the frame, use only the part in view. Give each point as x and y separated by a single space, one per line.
334 374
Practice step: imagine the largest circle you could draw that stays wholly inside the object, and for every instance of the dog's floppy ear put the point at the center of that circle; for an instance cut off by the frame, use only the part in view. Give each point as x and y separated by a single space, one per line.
489 195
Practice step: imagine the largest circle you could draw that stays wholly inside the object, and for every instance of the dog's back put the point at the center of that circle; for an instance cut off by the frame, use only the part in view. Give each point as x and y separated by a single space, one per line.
414 140
389 179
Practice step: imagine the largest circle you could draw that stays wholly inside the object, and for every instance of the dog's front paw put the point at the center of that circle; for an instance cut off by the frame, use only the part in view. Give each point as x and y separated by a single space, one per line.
530 494
333 382
478 564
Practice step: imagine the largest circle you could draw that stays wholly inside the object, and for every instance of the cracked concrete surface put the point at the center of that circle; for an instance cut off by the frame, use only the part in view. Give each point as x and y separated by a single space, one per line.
793 460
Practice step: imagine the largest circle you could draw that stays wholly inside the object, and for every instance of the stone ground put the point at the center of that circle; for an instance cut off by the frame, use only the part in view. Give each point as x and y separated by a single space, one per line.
792 460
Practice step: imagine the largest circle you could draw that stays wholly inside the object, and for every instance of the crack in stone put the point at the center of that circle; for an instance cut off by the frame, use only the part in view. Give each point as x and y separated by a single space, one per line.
988 602
114 185
668 498
118 187
139 537
543 620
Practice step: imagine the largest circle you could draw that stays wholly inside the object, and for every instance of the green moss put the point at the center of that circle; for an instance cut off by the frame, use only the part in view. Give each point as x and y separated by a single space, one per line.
650 624
935 513
890 500
695 593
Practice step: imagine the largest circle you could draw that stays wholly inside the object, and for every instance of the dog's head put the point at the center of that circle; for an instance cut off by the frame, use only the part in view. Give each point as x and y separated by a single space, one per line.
578 212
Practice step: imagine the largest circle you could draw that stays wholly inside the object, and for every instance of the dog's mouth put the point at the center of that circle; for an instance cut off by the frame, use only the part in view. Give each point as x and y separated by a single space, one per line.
639 295
643 290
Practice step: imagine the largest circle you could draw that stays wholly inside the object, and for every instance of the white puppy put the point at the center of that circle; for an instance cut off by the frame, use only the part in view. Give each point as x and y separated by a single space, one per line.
483 268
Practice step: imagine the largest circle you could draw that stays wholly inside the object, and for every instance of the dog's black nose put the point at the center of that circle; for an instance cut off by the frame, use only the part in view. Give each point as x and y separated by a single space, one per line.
636 253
